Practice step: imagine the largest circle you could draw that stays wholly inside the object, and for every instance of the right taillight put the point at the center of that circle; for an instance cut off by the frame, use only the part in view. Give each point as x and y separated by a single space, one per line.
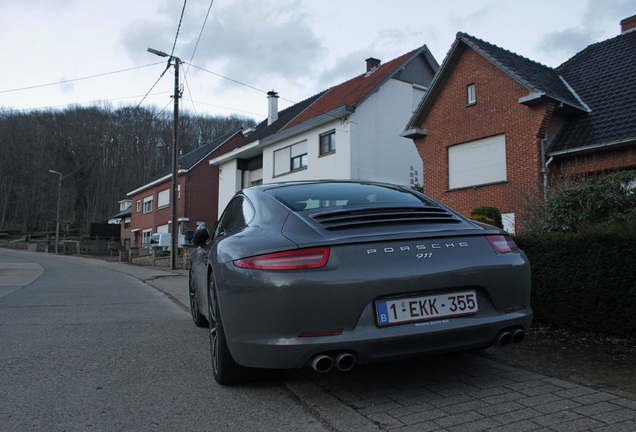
502 243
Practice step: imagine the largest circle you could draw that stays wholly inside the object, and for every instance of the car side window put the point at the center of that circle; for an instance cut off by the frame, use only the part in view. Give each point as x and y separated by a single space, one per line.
238 213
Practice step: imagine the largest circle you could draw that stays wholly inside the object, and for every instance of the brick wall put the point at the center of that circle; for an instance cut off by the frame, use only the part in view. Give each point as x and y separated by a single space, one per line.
607 161
497 111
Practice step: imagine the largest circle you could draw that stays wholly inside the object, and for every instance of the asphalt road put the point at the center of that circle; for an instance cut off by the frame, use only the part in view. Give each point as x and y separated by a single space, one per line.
87 348
89 344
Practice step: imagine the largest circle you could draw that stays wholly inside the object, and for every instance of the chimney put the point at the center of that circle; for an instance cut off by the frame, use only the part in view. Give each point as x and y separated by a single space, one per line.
628 24
272 107
372 63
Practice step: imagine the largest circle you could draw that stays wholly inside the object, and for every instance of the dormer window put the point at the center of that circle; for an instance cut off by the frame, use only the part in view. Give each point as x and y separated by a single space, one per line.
470 91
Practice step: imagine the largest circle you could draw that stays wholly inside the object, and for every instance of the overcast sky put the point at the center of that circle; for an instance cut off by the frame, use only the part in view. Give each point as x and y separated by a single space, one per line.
295 47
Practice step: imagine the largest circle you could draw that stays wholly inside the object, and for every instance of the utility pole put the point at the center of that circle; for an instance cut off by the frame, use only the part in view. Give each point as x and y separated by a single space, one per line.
174 250
175 162
59 194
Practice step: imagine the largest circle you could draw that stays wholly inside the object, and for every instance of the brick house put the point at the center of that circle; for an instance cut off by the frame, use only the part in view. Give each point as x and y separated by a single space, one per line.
197 185
349 131
495 125
123 219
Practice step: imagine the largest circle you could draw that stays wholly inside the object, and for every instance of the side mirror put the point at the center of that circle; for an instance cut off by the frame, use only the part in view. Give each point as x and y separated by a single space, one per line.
201 235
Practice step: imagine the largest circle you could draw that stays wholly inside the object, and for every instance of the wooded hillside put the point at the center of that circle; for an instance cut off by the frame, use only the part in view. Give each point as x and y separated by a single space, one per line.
102 153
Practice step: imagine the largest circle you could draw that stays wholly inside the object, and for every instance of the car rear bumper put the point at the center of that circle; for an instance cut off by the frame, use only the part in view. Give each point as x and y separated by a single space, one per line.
370 344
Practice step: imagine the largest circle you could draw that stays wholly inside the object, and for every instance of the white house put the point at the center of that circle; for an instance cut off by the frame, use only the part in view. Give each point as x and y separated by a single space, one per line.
350 131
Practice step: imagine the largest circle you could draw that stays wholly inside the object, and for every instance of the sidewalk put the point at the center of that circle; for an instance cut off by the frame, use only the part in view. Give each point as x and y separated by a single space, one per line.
173 283
459 392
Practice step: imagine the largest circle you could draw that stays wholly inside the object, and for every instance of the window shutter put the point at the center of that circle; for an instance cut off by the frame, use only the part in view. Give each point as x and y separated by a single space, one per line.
477 162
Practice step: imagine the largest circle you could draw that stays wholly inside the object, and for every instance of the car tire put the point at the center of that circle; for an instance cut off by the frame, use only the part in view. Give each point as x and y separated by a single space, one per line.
197 316
225 370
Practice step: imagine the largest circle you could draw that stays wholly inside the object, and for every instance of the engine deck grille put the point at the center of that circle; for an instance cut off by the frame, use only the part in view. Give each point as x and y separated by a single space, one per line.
347 219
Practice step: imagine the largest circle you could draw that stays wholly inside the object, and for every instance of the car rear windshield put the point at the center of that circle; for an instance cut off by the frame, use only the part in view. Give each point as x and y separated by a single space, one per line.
321 195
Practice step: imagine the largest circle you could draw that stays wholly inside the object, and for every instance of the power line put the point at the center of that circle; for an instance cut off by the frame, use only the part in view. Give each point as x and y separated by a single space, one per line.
229 79
196 45
78 79
227 108
174 45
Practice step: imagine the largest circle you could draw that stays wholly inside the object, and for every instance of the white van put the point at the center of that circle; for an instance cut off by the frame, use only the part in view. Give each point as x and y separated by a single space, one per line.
164 240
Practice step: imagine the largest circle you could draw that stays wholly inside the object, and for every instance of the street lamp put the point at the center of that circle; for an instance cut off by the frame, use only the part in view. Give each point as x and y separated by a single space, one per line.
175 232
57 229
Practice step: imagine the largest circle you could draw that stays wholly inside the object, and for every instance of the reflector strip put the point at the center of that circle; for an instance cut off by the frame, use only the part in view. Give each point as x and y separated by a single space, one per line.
336 332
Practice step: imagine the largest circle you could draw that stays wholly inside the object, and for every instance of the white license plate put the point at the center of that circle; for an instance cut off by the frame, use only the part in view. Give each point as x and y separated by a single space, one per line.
426 307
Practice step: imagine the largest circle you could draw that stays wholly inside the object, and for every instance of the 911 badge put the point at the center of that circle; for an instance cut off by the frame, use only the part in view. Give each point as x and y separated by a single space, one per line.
424 255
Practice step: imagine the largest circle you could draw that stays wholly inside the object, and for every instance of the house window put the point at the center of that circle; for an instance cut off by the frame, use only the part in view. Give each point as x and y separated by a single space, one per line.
163 198
298 162
327 143
477 162
470 90
290 158
148 204
138 206
127 223
145 236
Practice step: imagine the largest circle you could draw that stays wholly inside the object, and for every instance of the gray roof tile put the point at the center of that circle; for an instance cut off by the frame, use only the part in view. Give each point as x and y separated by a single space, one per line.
535 76
604 76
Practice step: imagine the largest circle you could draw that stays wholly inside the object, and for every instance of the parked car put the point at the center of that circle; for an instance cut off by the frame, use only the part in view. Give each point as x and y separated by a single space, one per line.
164 240
334 273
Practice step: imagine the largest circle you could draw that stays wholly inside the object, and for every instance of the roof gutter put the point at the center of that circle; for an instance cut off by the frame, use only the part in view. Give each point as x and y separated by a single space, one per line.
334 114
235 154
592 147
154 183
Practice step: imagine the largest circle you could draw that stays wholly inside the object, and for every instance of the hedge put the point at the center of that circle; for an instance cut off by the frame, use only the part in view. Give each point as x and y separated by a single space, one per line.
584 281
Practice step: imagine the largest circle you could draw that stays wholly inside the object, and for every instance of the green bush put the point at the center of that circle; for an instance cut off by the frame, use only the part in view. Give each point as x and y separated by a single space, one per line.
609 200
585 280
491 213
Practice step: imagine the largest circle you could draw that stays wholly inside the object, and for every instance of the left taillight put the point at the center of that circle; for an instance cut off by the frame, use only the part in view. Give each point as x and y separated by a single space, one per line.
310 258
502 243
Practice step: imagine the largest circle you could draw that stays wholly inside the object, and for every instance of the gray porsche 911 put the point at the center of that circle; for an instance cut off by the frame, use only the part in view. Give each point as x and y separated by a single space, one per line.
334 273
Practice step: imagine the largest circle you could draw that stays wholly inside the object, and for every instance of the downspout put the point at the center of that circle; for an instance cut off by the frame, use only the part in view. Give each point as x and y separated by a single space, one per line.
544 167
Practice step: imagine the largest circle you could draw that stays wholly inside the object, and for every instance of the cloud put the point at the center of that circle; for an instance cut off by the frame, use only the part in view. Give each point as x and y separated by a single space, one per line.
599 21
565 43
344 69
253 41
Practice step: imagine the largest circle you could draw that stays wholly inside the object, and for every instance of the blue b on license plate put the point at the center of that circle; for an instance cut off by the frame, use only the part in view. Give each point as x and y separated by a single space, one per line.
403 310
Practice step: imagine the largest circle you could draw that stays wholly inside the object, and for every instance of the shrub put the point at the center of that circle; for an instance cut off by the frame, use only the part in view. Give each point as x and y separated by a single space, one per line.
609 200
491 213
584 280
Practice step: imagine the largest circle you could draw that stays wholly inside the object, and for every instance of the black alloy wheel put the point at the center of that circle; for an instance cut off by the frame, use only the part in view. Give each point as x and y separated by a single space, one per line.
225 370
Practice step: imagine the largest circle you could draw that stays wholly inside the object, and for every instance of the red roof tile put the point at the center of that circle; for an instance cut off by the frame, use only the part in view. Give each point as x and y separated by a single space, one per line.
349 93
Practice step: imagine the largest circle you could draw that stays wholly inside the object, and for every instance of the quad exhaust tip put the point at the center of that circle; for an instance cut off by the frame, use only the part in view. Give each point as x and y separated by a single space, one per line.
514 336
323 363
518 336
345 362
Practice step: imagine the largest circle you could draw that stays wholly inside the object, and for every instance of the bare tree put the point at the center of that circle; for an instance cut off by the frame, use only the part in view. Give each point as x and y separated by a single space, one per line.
102 152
